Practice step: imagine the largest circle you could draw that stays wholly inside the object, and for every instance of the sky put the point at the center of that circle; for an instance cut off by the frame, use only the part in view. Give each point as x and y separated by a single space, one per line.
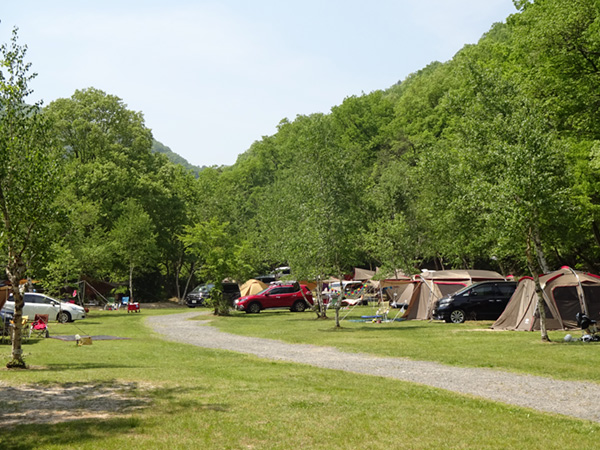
212 77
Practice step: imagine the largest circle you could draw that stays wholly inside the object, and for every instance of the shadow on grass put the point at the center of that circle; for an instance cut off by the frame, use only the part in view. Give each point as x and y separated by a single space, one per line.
72 434
84 366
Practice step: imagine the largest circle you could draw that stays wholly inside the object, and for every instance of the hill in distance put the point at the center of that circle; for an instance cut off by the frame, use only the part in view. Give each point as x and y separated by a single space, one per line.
159 147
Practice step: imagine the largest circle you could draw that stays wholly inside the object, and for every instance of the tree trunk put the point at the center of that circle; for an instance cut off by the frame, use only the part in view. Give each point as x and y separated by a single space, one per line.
539 251
15 271
538 291
338 304
131 283
187 283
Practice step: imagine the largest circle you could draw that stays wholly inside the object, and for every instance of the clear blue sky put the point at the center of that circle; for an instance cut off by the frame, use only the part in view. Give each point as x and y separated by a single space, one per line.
211 77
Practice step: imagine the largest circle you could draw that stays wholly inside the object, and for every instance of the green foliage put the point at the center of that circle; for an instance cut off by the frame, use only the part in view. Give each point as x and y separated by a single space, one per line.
213 249
454 167
29 170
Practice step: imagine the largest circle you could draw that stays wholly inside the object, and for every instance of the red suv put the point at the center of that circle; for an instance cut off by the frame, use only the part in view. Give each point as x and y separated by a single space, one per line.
281 295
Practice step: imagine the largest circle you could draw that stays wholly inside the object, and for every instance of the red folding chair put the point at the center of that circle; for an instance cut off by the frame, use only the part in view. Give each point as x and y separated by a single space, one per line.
39 326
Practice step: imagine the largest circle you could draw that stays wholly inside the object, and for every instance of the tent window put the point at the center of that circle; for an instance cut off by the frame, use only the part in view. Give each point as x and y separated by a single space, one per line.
567 302
592 297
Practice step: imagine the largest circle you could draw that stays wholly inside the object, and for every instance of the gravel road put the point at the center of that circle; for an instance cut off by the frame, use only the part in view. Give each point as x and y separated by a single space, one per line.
571 398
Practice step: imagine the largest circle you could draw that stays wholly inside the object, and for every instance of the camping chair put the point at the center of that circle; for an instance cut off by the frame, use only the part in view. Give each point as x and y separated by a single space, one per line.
383 311
39 326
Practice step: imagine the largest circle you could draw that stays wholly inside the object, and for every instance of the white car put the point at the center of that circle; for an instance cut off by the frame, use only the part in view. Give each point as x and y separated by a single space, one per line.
42 304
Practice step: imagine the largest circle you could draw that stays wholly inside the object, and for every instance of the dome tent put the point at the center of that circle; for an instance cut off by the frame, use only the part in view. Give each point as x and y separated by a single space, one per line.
566 292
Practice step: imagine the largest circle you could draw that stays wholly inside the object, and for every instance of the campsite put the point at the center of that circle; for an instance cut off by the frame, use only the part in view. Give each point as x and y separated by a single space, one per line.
148 392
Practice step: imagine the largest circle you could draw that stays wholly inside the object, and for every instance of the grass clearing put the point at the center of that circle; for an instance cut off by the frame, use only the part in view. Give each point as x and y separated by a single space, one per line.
471 344
166 395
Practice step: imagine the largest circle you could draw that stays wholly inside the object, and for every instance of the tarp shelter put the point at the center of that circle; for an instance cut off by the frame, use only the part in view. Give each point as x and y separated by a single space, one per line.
566 292
5 292
433 285
363 274
399 291
252 287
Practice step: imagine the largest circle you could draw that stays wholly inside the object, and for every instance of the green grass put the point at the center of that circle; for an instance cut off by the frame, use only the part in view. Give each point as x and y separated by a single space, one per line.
199 398
471 344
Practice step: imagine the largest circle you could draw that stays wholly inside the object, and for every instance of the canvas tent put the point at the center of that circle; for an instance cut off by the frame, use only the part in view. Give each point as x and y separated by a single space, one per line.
399 291
566 292
252 287
430 286
363 274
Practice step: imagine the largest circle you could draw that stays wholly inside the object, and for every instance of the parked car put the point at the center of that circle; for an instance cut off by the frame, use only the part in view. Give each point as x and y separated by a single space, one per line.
42 304
199 295
278 295
479 301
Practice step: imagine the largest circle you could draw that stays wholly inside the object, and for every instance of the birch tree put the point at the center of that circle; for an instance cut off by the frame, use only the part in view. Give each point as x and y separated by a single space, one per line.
29 168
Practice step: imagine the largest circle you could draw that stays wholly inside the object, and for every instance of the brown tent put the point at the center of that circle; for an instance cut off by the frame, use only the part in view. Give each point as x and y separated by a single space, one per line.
399 291
566 292
433 285
363 274
5 292
252 287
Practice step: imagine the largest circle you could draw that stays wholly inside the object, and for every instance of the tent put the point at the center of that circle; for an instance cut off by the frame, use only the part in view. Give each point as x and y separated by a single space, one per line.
430 286
566 292
252 287
363 274
399 291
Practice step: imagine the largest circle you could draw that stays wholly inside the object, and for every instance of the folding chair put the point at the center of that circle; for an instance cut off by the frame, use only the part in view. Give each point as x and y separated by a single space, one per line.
383 311
39 326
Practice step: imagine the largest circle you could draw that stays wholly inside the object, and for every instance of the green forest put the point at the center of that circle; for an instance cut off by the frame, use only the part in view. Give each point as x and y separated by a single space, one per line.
490 160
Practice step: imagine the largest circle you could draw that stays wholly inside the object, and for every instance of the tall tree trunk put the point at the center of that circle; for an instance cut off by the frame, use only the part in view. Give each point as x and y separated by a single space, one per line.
15 271
188 281
131 283
538 290
338 304
539 251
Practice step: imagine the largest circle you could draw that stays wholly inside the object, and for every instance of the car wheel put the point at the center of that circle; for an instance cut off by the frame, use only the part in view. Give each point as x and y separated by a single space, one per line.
63 317
254 308
457 316
299 306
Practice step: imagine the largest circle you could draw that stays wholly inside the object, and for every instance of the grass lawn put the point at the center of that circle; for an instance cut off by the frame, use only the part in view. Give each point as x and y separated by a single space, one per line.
471 344
147 393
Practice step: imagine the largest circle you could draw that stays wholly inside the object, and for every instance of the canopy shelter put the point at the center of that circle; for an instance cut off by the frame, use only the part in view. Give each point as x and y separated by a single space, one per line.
431 286
565 291
399 291
363 274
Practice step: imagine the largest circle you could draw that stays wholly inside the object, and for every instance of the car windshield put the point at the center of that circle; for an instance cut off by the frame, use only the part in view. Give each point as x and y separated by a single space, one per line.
264 290
463 290
203 289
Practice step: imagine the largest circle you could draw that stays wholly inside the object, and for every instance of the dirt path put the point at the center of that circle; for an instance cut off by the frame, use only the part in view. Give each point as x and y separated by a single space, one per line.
571 398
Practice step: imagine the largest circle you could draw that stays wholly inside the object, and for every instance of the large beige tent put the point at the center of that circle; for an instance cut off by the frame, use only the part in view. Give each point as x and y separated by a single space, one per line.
363 274
430 286
566 292
252 287
398 291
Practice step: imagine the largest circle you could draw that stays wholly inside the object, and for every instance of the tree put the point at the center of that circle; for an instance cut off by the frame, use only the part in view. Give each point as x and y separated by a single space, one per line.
134 241
29 169
211 245
316 220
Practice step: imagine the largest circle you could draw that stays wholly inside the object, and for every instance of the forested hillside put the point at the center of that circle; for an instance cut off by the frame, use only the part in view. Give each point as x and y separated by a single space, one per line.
478 162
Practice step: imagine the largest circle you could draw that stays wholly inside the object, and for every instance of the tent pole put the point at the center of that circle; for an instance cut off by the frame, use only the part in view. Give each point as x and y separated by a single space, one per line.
580 293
